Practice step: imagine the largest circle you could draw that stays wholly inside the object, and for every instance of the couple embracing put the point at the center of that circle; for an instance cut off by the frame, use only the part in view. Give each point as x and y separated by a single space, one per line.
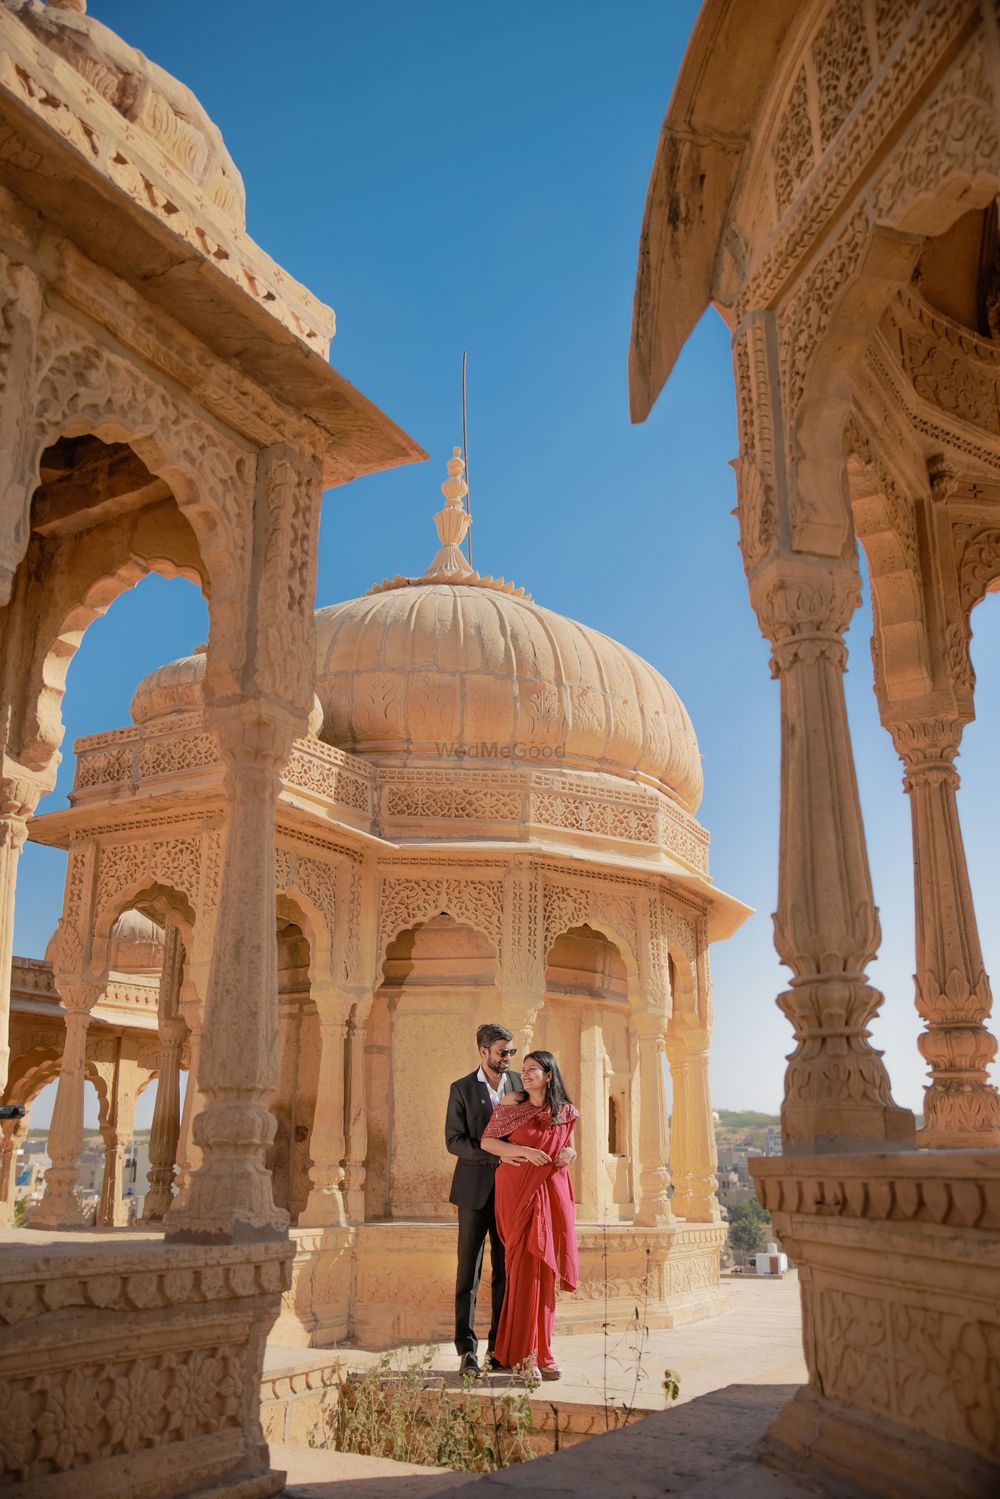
512 1135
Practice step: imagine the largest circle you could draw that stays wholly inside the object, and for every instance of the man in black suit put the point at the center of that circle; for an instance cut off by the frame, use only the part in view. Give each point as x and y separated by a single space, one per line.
470 1103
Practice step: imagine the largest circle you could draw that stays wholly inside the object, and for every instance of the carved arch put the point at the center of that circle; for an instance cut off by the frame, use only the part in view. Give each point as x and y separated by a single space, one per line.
37 697
308 886
405 902
31 1072
566 906
85 387
162 875
294 905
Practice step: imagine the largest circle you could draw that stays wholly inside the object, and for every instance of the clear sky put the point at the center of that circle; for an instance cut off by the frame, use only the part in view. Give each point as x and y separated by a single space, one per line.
455 177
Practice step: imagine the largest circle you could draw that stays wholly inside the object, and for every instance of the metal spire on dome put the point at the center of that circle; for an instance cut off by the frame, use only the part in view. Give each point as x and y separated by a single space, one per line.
449 564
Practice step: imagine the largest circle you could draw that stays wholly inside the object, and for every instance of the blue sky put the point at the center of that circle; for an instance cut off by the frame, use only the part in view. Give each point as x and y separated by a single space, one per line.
455 177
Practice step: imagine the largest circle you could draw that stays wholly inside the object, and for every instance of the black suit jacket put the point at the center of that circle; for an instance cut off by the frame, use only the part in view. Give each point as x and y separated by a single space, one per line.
469 1112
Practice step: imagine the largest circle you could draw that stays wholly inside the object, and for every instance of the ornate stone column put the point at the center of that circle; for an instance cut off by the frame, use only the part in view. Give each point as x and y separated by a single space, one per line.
165 1130
591 1138
59 1208
696 1200
961 1107
188 1153
13 1132
18 800
356 1144
229 1196
111 1210
837 1092
680 1166
326 1205
653 1175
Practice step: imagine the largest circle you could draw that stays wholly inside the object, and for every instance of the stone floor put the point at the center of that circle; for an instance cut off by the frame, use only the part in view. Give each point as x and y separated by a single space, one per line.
735 1371
757 1341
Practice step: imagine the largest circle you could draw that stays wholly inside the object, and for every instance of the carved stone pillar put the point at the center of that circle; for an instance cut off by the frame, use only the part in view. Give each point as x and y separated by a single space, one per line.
522 966
652 1197
680 1165
112 1211
837 1092
188 1153
591 1137
961 1107
326 1205
13 831
165 1130
13 1133
230 1195
58 1207
356 1144
697 1200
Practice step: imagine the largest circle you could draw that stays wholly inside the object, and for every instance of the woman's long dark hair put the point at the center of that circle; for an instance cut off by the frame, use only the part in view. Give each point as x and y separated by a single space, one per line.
556 1096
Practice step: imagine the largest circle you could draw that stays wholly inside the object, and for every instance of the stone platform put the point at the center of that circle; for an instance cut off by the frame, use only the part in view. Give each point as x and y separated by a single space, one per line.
380 1285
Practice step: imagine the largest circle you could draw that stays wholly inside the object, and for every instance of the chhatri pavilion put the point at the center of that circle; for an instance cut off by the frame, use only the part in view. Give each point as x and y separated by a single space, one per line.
491 816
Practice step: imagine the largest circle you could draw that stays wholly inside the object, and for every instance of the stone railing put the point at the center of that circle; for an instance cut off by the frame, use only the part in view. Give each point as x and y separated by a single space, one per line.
32 978
468 803
408 803
182 749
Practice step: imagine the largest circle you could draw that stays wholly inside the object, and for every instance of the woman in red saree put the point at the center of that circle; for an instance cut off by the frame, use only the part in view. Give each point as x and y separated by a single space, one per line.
535 1212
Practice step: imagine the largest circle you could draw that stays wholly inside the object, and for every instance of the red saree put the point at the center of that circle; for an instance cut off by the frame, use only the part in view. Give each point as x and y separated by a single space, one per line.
536 1220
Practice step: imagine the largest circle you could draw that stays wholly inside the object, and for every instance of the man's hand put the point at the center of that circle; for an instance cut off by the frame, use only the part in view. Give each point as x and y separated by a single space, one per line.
528 1156
566 1156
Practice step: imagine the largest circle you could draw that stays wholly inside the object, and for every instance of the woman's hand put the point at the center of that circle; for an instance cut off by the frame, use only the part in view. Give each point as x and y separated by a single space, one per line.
566 1156
526 1155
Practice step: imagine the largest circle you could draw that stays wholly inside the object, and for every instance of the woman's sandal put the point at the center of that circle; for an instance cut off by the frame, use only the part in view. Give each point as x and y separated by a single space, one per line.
550 1371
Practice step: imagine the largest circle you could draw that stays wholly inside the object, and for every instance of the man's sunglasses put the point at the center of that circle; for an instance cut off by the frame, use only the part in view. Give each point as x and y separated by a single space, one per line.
511 1051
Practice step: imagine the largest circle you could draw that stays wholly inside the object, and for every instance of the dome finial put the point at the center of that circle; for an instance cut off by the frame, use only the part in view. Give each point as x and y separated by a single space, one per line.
452 522
450 564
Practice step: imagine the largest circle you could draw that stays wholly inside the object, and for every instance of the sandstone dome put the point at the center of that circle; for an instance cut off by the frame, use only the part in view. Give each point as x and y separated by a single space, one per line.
452 672
454 668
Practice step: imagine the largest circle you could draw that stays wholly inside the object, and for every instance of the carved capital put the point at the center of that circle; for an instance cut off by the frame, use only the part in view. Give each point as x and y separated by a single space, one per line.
927 747
803 608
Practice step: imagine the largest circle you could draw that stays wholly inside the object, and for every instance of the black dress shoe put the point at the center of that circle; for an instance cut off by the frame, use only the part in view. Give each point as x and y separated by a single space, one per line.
470 1365
494 1366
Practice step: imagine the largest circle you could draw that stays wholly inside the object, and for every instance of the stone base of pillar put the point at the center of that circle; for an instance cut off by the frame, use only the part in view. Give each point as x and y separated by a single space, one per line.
897 1258
58 1208
325 1208
134 1368
830 1128
315 1313
861 1453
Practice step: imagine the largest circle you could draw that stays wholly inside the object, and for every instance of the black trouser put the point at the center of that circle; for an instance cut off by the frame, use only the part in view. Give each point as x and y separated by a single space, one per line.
473 1226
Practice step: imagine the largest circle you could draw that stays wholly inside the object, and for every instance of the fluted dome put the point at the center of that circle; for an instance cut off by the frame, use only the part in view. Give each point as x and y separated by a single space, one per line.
176 687
443 672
